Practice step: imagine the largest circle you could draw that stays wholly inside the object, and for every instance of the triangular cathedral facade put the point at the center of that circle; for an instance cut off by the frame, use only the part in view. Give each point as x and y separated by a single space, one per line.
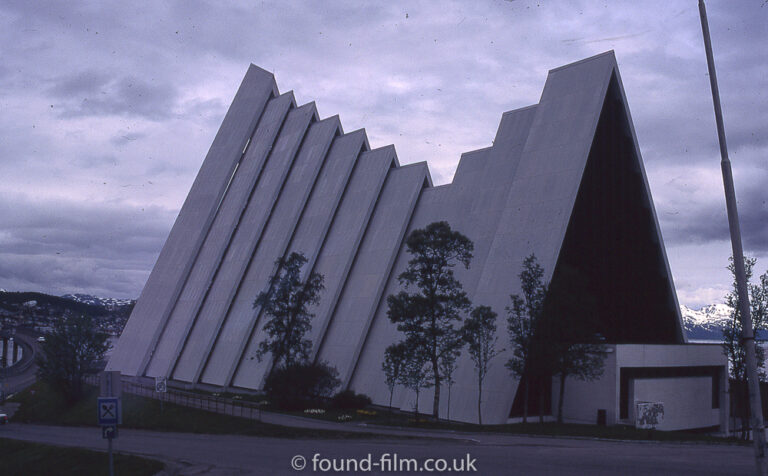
563 180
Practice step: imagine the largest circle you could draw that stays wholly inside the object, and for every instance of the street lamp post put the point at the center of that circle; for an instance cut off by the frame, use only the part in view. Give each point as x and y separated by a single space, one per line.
748 335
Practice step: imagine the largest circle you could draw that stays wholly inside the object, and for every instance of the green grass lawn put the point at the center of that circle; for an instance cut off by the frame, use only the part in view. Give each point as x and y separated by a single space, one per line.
383 417
39 404
32 459
616 432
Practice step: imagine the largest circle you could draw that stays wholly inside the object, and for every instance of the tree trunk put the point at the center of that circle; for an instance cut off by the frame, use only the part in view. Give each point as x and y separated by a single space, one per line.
525 399
745 411
542 387
560 400
391 392
416 409
436 401
479 401
448 417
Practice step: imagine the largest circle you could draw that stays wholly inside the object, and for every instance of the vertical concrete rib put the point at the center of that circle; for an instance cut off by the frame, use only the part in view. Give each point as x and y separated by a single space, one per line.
369 275
161 290
349 225
208 260
308 238
246 236
239 322
542 195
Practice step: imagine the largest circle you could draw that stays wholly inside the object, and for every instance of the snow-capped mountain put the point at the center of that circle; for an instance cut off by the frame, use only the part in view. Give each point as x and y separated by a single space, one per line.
707 322
109 303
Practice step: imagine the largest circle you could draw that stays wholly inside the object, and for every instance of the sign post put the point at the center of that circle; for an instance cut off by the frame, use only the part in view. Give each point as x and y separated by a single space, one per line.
109 411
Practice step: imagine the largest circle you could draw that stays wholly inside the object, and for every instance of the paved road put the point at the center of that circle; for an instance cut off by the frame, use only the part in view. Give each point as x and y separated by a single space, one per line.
492 454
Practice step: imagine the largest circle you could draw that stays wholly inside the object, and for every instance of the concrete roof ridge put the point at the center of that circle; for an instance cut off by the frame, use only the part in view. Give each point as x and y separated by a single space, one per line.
289 94
335 118
365 137
609 53
311 105
257 70
519 109
421 163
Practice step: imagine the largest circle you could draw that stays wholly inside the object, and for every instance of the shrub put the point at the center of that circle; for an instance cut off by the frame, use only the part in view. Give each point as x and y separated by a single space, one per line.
299 386
349 400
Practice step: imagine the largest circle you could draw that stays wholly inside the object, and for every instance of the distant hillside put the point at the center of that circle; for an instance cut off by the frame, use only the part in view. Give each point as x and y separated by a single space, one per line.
99 301
41 310
14 301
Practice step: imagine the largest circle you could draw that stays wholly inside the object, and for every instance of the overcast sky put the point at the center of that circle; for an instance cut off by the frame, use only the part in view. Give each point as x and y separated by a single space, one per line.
107 110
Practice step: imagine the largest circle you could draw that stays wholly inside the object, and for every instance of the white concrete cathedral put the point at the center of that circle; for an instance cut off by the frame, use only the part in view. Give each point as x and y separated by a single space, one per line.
564 180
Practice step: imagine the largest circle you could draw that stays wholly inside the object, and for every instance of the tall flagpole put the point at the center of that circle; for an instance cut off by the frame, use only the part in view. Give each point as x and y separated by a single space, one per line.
748 335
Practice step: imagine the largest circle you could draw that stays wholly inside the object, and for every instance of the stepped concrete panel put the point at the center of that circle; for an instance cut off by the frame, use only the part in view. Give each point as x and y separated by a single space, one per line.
246 237
368 377
555 167
132 353
307 239
472 205
347 231
364 287
184 313
240 321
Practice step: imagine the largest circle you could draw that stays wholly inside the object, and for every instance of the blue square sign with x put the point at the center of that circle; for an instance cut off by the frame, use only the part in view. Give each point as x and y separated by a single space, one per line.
109 410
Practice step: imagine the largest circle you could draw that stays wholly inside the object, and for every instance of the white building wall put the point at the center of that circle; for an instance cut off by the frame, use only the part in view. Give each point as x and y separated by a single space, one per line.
582 399
685 399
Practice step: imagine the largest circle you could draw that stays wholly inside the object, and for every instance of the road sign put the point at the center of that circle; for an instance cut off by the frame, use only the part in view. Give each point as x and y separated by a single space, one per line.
161 384
109 432
109 411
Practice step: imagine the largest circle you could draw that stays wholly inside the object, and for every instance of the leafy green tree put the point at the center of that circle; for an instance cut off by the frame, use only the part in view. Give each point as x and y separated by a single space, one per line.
582 361
393 366
733 346
523 320
479 332
286 302
571 344
70 352
428 316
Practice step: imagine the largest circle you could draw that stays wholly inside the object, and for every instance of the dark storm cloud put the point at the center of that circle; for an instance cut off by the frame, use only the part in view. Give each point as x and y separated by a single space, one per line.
710 223
69 246
139 90
80 85
754 218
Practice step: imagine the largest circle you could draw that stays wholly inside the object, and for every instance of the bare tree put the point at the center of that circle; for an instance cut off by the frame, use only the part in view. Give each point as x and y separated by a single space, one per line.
523 320
394 366
479 332
416 373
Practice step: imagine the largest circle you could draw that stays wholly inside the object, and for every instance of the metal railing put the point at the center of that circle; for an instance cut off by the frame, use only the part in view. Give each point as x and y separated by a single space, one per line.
216 404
